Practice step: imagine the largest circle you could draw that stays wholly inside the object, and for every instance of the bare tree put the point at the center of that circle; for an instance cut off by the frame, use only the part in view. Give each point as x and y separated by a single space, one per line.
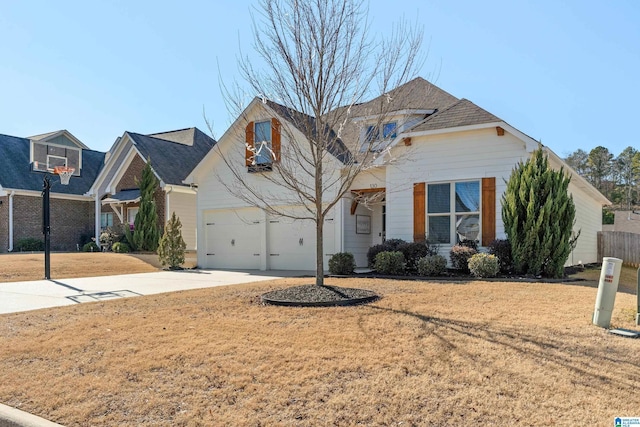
318 62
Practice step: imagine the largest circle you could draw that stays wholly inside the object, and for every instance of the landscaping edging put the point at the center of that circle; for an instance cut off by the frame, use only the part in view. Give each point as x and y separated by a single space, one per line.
319 296
12 417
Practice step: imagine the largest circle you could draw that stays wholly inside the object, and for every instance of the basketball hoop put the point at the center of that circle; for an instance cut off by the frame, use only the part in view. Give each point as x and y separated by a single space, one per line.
64 172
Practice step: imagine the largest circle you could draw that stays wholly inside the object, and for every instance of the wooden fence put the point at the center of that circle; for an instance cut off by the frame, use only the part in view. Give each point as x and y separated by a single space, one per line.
620 244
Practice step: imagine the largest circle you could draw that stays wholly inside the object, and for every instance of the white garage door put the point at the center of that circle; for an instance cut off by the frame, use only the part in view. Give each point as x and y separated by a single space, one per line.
233 238
292 243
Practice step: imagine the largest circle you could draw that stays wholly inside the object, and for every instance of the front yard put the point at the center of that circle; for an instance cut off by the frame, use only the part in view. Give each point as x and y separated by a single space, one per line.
427 353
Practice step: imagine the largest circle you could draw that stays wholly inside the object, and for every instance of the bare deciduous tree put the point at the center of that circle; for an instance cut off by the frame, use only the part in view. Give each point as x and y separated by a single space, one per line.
315 63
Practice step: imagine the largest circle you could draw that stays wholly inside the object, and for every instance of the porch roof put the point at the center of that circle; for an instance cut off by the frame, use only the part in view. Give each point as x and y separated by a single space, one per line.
124 196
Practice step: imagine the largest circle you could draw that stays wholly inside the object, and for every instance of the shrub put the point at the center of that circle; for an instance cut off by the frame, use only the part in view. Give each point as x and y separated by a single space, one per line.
172 246
391 262
85 238
432 265
473 244
342 263
484 265
538 215
501 248
28 244
90 247
413 252
120 248
460 255
390 245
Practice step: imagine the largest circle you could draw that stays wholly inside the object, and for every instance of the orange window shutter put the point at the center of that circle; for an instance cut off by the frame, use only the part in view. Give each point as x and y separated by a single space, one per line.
488 210
276 135
248 155
419 209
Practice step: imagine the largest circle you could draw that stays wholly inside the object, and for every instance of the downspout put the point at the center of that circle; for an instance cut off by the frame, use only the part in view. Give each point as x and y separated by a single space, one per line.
167 214
11 220
97 219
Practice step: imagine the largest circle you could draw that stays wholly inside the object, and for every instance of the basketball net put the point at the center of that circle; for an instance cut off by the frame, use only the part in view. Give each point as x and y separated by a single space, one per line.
65 173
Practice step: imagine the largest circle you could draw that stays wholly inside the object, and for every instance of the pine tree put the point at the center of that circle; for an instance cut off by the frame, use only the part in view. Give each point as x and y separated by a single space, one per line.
538 215
146 232
172 246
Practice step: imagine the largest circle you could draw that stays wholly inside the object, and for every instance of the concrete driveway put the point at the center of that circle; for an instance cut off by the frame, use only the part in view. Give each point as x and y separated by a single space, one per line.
33 295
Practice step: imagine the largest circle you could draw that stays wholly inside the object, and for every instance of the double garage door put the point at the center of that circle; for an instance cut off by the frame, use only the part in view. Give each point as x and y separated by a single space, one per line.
249 239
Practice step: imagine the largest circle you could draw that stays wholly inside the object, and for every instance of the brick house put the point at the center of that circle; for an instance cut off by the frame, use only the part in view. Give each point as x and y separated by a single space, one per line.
23 165
172 156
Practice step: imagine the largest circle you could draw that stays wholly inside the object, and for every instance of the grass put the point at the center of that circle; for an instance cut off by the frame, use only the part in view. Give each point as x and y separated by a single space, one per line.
22 267
427 353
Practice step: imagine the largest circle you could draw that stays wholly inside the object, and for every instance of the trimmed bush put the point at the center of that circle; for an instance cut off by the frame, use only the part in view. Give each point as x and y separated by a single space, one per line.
120 247
390 245
90 247
391 262
501 248
342 263
29 244
413 252
432 265
484 265
460 255
473 244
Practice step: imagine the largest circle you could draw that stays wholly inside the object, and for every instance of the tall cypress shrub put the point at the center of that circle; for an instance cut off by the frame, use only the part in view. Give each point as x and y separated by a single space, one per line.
538 215
146 232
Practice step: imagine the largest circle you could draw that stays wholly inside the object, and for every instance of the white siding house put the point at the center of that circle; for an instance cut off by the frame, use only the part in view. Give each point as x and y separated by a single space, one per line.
451 161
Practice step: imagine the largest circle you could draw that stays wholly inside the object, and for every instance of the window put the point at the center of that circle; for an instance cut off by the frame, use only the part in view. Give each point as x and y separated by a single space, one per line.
389 130
262 143
131 216
106 220
457 204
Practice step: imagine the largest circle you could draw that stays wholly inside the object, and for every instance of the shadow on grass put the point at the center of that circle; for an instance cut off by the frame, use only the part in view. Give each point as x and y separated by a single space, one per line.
584 359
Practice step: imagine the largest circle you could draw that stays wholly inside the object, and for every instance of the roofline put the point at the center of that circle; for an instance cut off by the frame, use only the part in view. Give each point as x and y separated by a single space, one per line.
403 112
58 133
118 146
54 195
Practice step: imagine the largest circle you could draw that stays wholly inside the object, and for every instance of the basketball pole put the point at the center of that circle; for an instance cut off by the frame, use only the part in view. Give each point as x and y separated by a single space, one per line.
46 225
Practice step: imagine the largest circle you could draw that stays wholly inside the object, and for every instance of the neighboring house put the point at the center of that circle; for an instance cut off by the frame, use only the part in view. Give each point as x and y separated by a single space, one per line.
23 165
172 155
453 160
626 221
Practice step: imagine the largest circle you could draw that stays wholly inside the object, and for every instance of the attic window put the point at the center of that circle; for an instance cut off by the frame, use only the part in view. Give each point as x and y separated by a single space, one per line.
262 142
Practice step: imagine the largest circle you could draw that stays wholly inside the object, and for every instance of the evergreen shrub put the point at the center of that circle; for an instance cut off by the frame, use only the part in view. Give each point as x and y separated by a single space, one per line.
391 262
484 265
432 265
459 256
342 263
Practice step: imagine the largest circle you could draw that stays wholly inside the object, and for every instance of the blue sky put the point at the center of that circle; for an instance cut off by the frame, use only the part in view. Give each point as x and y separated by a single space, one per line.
563 72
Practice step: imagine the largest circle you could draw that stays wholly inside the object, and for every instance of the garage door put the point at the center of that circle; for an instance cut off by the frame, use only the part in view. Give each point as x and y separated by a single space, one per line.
233 238
292 243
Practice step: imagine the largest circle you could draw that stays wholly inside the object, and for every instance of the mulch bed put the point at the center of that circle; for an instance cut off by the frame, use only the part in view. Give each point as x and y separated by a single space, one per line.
319 296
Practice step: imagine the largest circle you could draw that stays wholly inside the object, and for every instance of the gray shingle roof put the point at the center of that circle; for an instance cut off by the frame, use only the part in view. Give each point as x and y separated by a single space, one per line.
16 172
125 196
307 124
461 113
173 161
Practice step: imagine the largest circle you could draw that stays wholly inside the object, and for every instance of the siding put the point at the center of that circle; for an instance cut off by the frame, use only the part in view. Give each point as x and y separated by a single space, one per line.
474 155
444 158
184 206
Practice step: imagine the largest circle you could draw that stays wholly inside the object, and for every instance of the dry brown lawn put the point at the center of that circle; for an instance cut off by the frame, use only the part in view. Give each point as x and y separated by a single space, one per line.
20 267
427 353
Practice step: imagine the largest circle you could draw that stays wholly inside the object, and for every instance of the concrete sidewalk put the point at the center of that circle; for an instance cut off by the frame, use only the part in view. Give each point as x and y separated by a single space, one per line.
33 295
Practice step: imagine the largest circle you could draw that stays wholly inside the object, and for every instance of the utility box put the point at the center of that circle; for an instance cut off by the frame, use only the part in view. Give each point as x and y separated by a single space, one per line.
607 289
